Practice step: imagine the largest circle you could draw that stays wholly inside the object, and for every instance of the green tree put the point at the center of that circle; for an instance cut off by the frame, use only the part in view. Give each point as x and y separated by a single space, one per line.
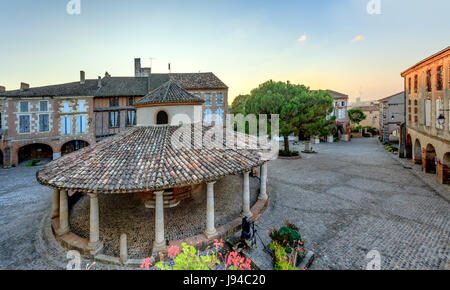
298 107
356 116
238 105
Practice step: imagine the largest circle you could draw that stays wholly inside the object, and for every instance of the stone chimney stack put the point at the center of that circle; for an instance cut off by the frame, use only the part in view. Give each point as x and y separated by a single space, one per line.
24 86
99 83
82 77
2 89
137 67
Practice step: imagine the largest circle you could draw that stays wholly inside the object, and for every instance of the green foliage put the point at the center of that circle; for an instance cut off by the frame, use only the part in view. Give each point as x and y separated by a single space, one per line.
238 105
356 116
33 163
288 236
188 259
299 108
280 257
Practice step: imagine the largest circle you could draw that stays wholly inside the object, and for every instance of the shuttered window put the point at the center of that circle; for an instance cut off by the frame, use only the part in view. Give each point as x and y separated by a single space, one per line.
24 124
114 120
81 124
44 123
66 125
427 116
439 110
131 118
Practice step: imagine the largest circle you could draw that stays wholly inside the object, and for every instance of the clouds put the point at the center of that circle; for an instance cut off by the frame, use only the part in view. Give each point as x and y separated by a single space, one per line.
302 38
358 38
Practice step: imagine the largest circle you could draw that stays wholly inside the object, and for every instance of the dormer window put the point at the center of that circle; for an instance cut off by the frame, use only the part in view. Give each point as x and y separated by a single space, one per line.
162 118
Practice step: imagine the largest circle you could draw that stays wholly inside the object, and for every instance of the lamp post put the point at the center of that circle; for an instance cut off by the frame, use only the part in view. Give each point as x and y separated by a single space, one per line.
441 118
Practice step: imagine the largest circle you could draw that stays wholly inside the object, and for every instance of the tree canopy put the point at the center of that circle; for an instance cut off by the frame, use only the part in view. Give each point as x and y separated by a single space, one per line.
356 116
299 108
238 105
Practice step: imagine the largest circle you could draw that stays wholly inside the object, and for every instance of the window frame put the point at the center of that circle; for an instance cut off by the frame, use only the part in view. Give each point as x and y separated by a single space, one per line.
439 78
40 106
128 123
20 124
40 122
111 125
66 128
20 106
114 102
428 81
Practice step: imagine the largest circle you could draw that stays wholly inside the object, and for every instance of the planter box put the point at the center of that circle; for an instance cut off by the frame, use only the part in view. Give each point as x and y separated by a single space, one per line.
330 139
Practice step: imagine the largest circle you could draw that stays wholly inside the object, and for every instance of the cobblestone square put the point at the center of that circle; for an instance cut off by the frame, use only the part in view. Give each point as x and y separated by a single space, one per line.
347 199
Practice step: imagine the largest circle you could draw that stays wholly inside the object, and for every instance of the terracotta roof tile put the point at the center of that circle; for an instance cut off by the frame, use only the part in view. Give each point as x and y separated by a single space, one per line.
144 159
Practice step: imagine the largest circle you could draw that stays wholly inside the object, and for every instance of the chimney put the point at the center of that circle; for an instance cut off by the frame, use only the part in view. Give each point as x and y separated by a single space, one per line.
82 77
137 67
99 83
2 89
24 86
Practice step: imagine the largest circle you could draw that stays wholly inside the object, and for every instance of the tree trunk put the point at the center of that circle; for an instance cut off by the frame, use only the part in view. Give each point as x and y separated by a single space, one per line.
286 143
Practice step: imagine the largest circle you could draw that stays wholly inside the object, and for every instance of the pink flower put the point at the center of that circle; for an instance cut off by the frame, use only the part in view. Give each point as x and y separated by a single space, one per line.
173 252
218 244
146 263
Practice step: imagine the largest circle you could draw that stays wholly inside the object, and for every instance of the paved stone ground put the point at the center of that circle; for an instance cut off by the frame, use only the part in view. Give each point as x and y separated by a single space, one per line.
347 199
353 197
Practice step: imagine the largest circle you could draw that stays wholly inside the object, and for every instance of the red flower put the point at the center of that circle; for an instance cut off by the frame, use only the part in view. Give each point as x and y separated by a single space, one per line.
173 252
146 263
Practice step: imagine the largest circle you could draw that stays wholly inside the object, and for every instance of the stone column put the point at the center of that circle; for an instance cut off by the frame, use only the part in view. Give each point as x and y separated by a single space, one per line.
55 212
263 188
95 245
63 213
159 243
246 196
210 230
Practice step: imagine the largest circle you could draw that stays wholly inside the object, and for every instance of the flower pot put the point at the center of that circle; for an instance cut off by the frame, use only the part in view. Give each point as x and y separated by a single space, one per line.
330 139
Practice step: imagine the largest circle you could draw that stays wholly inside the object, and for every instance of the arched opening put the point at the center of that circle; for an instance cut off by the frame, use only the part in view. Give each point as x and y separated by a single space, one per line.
162 118
431 161
35 152
73 146
446 168
408 147
417 152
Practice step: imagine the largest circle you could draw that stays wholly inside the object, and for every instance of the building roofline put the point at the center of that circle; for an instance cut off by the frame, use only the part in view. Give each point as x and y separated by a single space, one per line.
426 59
383 99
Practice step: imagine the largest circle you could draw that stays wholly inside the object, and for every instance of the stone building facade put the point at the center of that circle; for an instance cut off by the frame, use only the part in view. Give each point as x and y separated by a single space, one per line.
427 93
204 85
392 115
372 113
46 122
36 126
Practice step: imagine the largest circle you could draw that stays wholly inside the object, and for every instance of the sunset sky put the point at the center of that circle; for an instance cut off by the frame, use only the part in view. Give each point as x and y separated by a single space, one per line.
333 44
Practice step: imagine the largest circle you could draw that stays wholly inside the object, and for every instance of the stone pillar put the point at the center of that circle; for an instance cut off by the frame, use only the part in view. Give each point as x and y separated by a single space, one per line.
424 160
95 245
210 230
123 249
63 213
159 243
55 212
263 188
246 196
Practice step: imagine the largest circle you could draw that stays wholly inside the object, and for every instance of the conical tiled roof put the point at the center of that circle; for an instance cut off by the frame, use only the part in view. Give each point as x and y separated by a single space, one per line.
169 92
144 159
